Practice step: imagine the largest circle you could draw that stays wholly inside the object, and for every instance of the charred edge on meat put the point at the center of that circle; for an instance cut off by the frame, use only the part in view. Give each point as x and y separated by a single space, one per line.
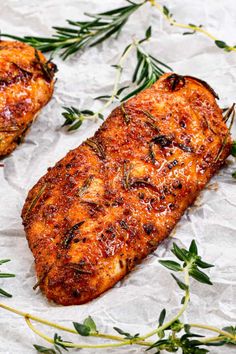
205 84
162 140
48 69
175 82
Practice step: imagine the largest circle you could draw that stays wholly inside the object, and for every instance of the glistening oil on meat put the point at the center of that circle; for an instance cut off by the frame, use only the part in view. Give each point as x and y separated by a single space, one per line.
109 203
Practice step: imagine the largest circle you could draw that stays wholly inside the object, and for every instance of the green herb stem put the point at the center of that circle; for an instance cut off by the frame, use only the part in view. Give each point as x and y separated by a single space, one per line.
55 325
213 329
181 311
81 34
166 14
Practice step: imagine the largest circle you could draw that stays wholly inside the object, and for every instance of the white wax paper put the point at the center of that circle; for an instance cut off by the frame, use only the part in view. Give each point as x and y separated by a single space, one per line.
134 303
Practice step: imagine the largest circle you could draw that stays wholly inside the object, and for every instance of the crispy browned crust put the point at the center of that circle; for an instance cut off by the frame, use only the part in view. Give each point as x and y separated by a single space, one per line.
110 202
24 89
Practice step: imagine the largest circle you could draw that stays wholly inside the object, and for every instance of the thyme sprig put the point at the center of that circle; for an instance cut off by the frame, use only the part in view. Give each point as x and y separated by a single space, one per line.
5 275
172 335
193 28
147 71
81 34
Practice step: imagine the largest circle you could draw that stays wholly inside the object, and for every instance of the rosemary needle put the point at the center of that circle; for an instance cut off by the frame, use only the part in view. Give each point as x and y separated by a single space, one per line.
81 34
147 71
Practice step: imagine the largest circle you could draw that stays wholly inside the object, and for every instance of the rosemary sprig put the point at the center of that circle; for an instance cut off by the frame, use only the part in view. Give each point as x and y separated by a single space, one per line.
172 334
147 72
193 28
81 34
5 275
148 69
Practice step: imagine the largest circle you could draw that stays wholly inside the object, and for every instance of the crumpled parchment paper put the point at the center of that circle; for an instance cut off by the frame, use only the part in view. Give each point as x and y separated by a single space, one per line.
133 304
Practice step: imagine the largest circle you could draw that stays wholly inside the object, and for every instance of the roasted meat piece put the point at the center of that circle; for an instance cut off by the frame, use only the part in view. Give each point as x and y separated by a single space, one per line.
26 85
108 204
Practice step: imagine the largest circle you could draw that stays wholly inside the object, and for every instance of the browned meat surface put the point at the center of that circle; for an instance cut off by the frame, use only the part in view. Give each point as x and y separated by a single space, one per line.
110 202
26 85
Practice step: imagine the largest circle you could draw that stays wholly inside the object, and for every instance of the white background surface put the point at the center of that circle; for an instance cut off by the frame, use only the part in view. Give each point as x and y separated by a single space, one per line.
135 303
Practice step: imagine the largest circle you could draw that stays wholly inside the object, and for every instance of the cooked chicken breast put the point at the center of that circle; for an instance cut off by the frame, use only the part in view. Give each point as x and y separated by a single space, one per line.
26 85
109 203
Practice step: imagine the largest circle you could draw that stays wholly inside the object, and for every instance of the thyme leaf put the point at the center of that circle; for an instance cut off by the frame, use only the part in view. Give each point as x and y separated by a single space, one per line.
193 28
173 334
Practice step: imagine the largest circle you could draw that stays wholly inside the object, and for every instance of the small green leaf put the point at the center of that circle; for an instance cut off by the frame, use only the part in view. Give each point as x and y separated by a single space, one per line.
220 44
44 350
187 328
161 334
41 349
148 32
89 322
233 149
100 116
87 112
82 329
193 248
126 334
4 293
192 25
200 351
59 342
159 343
2 261
180 283
234 174
199 276
231 330
171 265
202 264
166 11
179 253
7 275
76 125
162 317
103 97
177 326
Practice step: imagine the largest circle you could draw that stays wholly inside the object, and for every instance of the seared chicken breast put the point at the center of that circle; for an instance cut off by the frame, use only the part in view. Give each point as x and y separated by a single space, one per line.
109 203
26 85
